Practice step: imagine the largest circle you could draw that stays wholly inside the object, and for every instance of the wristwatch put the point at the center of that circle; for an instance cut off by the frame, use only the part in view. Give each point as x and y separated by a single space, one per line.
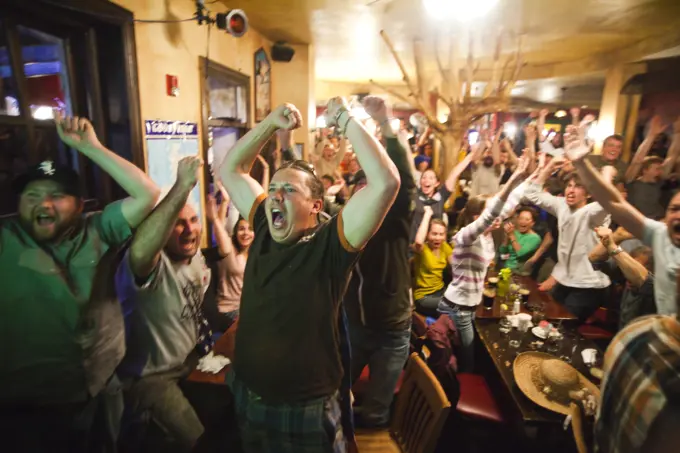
616 251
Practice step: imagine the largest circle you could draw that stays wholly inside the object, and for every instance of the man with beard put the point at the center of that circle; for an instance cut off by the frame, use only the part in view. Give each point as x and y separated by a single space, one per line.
49 255
662 237
161 282
287 366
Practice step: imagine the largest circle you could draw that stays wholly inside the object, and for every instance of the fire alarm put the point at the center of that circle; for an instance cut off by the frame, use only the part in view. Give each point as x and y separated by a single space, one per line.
172 85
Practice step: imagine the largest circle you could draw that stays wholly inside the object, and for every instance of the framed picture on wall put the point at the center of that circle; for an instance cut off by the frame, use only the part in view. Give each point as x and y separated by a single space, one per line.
263 100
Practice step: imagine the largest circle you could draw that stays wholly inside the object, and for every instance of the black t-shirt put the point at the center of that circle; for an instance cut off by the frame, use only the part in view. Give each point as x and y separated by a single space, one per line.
436 203
378 292
287 342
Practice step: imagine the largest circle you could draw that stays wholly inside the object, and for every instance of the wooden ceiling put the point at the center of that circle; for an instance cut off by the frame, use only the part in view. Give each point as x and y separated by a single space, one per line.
567 40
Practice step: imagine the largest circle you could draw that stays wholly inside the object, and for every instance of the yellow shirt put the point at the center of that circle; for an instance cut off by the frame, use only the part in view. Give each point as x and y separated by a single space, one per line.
429 270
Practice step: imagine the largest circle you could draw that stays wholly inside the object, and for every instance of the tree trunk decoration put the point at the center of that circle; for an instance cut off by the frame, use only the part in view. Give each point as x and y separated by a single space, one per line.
456 93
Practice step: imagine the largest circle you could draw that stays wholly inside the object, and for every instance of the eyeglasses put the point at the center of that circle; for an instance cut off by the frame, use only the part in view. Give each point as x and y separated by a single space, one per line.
300 164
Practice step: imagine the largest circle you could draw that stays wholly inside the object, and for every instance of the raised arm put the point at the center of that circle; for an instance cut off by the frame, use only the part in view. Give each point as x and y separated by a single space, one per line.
496 148
534 188
470 232
79 134
673 150
634 272
452 178
235 169
602 191
540 125
421 234
656 127
365 211
155 230
224 245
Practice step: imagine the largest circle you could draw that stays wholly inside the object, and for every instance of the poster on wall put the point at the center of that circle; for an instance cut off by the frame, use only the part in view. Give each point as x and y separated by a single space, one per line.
263 99
167 142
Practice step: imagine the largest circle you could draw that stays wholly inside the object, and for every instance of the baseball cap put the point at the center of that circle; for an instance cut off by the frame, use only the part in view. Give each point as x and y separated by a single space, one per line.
48 170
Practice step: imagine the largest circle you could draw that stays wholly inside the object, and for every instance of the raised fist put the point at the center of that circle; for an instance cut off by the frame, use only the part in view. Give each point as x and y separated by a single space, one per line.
76 132
285 116
188 171
335 107
376 108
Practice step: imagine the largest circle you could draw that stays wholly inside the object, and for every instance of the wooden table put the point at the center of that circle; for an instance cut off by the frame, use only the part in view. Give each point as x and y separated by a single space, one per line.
553 310
223 346
503 356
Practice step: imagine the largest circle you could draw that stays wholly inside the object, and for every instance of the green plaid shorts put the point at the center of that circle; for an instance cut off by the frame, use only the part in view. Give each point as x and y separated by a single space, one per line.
310 427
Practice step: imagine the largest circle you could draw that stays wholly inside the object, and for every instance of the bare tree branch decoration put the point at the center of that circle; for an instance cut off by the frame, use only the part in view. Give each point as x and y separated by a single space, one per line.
456 91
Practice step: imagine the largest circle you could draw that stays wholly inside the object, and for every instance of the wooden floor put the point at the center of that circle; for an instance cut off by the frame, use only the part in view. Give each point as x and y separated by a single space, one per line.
375 441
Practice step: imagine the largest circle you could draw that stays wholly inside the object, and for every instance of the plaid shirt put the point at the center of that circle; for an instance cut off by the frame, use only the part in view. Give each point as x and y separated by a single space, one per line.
642 376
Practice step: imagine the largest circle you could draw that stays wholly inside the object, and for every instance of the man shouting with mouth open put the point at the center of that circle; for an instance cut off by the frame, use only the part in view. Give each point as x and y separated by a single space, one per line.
287 367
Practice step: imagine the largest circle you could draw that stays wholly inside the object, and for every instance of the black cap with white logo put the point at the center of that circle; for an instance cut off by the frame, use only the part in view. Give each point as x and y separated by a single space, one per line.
48 170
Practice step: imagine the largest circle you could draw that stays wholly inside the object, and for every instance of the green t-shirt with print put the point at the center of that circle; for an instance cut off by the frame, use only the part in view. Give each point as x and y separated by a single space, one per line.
45 288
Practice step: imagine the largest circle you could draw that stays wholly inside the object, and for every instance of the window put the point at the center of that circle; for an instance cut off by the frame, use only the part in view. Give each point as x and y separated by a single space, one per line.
226 112
76 58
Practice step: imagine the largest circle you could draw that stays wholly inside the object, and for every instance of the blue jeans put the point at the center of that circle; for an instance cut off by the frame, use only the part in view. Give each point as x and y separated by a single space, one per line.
385 353
464 321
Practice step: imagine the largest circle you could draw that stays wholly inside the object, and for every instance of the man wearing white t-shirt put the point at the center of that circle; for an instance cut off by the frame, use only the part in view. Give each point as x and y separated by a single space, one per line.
161 283
662 237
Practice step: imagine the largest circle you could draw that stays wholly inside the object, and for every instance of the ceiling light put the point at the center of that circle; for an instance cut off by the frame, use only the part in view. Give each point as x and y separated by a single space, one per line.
510 129
473 137
560 114
461 10
395 123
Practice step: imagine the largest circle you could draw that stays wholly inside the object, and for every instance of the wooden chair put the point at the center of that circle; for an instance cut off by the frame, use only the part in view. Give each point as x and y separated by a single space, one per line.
420 413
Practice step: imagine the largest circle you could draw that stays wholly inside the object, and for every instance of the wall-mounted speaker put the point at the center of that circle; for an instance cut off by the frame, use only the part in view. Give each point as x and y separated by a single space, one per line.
282 52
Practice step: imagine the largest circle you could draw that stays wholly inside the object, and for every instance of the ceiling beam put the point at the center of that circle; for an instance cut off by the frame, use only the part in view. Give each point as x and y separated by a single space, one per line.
597 62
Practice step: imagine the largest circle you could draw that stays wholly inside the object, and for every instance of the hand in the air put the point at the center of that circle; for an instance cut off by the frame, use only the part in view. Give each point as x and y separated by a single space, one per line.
335 106
376 108
189 171
575 147
211 209
606 237
76 132
656 126
285 116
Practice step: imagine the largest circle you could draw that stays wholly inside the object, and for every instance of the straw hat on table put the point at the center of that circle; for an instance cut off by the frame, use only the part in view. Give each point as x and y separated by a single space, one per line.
555 385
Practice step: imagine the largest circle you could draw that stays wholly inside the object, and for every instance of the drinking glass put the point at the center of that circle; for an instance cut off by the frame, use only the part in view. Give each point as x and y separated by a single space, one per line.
569 346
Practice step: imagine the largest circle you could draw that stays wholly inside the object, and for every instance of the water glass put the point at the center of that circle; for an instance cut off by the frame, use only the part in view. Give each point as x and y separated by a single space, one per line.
569 346
515 338
553 342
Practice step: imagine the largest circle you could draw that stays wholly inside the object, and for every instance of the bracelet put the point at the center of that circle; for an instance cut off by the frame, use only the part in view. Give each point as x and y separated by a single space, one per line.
616 251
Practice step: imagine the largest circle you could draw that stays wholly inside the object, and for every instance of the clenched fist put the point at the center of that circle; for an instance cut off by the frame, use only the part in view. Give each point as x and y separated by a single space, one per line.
285 116
188 171
335 107
76 132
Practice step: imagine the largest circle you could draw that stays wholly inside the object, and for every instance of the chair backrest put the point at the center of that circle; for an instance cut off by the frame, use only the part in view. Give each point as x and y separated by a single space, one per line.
421 409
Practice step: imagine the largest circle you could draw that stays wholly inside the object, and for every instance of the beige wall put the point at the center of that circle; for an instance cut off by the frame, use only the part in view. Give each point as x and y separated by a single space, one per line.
293 82
175 48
